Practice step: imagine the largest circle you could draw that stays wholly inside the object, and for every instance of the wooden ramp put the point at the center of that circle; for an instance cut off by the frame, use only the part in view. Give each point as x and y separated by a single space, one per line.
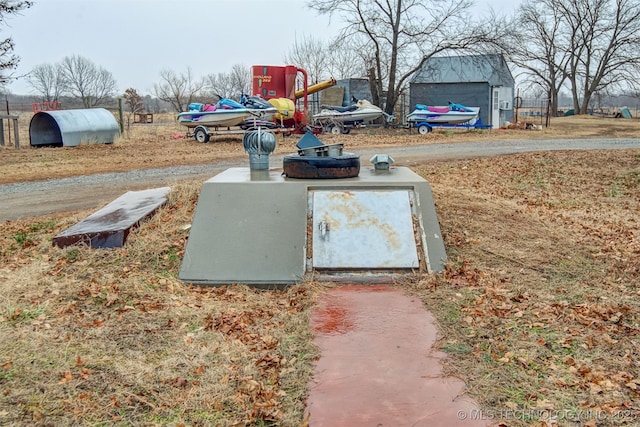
110 226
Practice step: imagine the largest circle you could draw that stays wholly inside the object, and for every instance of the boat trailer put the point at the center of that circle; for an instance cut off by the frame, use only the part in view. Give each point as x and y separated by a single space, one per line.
337 127
426 127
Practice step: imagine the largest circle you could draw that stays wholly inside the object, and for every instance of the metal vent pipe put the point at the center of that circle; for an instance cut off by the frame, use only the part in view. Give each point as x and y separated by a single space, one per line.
259 144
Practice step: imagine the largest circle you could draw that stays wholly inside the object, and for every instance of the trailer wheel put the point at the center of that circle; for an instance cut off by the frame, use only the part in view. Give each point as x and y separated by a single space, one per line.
200 134
335 130
424 129
346 130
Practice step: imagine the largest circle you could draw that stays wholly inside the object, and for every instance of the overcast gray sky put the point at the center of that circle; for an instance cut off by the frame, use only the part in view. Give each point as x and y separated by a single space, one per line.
136 39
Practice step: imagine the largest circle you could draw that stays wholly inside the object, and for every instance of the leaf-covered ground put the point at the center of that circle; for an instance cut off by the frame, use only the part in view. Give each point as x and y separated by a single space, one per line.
539 308
111 337
540 304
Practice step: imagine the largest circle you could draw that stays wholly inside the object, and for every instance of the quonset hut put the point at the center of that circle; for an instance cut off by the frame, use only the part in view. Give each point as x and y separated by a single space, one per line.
70 128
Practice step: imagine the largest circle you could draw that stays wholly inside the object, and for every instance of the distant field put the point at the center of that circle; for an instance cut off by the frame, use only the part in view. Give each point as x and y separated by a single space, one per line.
163 143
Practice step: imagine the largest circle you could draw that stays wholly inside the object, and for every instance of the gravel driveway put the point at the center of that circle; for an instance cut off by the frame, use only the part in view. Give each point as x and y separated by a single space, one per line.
27 199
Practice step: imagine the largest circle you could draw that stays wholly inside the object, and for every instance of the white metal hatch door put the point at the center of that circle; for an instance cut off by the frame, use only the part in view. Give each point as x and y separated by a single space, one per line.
357 229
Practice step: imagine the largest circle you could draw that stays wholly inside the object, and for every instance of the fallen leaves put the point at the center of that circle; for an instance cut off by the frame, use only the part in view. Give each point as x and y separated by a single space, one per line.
542 285
462 274
540 300
65 377
260 396
261 401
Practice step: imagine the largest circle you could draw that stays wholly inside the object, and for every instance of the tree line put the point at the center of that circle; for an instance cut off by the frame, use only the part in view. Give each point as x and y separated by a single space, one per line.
588 48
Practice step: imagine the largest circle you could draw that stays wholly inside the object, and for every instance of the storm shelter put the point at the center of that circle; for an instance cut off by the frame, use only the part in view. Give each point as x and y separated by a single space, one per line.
265 229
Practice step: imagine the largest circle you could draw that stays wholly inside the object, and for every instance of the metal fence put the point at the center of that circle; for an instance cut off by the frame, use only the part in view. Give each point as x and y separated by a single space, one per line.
531 110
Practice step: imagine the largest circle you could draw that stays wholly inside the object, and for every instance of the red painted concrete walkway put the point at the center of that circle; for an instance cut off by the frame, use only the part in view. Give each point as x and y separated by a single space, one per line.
377 365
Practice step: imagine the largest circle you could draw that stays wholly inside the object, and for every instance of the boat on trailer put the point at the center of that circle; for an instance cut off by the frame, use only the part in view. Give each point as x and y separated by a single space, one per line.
225 113
449 114
338 119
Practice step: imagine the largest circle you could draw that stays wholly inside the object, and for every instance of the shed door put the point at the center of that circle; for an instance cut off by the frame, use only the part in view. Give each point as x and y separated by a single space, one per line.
495 108
357 229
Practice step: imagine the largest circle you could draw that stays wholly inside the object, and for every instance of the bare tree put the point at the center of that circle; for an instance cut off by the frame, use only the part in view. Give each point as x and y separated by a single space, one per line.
85 80
241 78
603 46
8 60
348 58
152 104
178 90
403 34
310 54
590 45
220 85
340 59
133 100
229 85
47 81
537 47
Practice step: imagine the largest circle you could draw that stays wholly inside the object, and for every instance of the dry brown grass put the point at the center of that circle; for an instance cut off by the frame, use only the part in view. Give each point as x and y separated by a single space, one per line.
161 144
539 306
113 337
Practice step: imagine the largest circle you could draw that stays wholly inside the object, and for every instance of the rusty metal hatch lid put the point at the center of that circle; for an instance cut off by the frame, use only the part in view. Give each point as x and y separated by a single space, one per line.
363 229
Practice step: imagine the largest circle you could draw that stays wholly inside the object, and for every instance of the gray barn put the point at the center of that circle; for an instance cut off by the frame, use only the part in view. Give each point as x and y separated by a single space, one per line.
483 81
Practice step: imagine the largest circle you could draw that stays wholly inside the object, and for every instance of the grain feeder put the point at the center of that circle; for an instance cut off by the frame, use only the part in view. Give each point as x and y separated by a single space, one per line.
70 128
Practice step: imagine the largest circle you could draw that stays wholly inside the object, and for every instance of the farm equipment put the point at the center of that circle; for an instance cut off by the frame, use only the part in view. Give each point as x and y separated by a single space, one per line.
277 85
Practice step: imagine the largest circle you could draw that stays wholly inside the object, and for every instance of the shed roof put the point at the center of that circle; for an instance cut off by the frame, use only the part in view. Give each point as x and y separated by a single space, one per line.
490 68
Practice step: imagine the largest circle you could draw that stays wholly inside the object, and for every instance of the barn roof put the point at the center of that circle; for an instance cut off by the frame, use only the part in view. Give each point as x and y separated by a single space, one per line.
490 68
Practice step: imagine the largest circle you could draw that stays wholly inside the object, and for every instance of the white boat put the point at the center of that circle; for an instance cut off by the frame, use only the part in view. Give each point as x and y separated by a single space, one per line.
449 114
223 118
225 113
360 112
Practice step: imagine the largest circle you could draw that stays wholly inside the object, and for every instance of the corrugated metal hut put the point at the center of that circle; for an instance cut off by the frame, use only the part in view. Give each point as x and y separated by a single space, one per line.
483 81
70 128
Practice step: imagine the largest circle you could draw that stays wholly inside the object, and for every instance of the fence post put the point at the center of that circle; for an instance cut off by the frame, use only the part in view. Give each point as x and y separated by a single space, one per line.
121 115
15 131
